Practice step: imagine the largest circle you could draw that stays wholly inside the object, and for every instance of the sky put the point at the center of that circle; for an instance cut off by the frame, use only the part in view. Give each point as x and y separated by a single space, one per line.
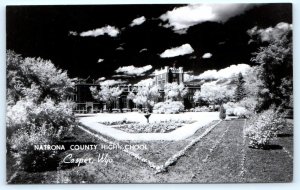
128 42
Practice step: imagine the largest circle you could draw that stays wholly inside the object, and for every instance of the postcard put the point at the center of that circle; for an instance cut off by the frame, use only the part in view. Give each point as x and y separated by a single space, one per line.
149 93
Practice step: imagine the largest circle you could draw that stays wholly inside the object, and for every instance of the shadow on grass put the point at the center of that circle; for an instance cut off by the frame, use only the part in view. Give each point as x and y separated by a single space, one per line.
285 135
268 147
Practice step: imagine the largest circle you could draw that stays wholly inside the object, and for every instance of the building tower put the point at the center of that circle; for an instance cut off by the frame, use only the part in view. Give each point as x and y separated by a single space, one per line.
168 75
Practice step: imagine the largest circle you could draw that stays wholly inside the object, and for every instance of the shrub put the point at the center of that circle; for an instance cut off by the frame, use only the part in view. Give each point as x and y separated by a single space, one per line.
38 110
263 127
230 106
168 107
222 114
123 121
241 112
201 109
249 103
37 124
242 109
22 145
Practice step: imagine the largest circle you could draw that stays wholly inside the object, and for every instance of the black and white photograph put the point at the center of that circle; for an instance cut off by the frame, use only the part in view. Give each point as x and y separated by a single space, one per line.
149 93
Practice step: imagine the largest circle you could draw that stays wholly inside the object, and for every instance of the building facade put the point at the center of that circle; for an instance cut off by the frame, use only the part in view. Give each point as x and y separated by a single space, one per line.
168 75
85 103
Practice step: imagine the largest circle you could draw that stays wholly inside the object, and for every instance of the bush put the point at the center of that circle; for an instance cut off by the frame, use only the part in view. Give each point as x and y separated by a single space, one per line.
230 106
38 110
201 109
249 104
168 107
242 109
22 145
222 114
263 127
241 112
121 122
37 124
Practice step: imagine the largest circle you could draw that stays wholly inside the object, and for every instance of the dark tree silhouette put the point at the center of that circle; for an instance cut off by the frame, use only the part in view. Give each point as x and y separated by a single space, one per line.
240 92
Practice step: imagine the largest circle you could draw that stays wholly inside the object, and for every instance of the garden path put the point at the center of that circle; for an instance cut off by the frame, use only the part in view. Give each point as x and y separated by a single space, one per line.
201 119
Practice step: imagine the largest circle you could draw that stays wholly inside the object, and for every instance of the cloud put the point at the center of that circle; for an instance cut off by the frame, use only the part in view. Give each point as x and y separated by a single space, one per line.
270 33
122 76
101 79
112 82
100 60
210 74
187 77
206 55
177 51
120 48
142 50
225 73
181 18
132 70
138 21
73 33
145 82
109 30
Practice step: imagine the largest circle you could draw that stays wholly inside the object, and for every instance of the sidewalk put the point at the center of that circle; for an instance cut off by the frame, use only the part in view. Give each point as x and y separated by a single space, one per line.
202 119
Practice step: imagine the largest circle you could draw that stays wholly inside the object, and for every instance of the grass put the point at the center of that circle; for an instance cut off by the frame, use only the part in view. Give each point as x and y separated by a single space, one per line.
209 160
274 164
268 166
221 156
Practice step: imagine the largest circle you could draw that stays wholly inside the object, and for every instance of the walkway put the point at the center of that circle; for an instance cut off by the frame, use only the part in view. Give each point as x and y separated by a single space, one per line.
181 133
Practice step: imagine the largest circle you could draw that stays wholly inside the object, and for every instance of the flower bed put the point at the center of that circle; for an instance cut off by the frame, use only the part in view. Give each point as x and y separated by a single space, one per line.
122 122
156 127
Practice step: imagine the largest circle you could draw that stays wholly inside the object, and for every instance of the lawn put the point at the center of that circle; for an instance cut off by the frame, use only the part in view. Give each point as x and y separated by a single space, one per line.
216 152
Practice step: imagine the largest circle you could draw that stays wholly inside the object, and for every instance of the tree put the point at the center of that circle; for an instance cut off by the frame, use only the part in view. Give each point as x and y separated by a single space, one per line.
36 79
197 96
174 91
240 92
38 108
274 58
252 82
130 98
147 96
107 94
222 114
215 93
35 82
